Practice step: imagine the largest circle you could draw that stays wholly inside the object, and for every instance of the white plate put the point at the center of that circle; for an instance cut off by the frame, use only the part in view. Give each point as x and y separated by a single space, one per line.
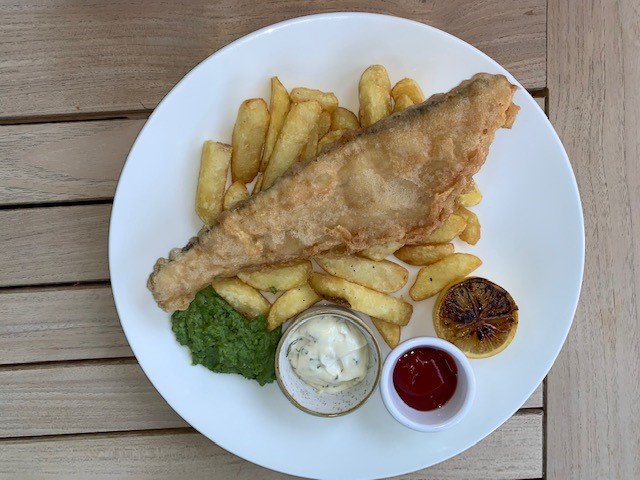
532 244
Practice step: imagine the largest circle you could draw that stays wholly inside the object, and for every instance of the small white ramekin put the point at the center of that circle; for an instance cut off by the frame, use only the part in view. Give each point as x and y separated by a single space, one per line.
305 397
435 420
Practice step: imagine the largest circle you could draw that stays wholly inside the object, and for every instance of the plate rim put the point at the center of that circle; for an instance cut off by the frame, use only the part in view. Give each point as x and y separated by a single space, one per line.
576 290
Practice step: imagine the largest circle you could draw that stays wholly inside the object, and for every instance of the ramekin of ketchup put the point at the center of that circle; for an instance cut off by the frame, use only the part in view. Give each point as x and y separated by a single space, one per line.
427 384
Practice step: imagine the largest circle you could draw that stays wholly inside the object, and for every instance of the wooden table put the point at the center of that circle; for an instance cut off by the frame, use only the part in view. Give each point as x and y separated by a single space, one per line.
77 81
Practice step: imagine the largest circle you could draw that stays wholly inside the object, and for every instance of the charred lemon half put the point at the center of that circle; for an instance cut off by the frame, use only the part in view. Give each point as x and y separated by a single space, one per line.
477 316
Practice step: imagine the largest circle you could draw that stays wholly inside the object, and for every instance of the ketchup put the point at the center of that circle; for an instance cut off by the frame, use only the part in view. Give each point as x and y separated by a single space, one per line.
425 378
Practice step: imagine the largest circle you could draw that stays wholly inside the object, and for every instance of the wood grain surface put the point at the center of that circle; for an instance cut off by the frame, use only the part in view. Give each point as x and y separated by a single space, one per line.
73 402
61 399
54 245
94 56
593 397
54 324
64 161
514 451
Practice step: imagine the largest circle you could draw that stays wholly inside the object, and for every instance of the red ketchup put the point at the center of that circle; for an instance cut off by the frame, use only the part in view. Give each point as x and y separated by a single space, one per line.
425 378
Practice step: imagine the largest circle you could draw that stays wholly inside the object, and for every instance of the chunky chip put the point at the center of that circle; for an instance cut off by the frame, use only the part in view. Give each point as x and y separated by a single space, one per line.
389 331
379 305
278 278
214 164
374 93
236 193
471 233
380 252
244 298
383 276
424 254
247 140
433 278
300 121
290 304
448 230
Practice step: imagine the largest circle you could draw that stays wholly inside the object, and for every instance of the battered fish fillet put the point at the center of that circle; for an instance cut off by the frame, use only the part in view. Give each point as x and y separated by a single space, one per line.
393 181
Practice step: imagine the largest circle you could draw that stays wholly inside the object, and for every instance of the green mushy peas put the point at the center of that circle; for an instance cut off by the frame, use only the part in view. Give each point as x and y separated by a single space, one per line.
224 341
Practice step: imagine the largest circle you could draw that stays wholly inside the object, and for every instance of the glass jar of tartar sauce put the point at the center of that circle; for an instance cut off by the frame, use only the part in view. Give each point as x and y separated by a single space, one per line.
329 353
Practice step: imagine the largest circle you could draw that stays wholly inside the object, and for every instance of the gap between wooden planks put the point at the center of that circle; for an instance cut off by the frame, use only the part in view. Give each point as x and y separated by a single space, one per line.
60 58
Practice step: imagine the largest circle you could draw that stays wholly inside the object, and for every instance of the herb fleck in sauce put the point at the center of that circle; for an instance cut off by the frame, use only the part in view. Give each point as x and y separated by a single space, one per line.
329 353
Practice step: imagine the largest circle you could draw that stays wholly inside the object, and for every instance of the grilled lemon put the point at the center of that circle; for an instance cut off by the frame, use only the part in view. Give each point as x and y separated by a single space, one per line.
477 316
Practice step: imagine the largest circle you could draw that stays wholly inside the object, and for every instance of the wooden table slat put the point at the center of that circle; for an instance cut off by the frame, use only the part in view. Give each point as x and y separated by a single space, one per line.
47 325
121 55
65 161
513 451
80 398
54 245
593 421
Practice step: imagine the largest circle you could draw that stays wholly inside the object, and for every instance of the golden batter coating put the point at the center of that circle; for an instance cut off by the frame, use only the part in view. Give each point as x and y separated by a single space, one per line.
395 180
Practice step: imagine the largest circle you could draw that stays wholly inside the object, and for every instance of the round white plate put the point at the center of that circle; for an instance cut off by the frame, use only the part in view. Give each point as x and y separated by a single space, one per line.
532 244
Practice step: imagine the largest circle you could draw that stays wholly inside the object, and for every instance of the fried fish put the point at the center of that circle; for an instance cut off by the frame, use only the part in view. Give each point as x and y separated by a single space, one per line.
393 181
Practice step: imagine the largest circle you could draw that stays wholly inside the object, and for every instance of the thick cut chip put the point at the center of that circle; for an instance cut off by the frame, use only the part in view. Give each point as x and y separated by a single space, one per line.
410 88
327 100
390 332
447 231
424 254
236 193
278 107
470 197
311 148
433 278
282 277
380 252
471 233
403 102
301 120
290 304
324 123
214 164
379 305
247 140
374 92
383 276
244 298
343 119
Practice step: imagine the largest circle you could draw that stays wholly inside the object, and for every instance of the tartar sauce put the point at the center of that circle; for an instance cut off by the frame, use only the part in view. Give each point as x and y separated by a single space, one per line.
329 353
